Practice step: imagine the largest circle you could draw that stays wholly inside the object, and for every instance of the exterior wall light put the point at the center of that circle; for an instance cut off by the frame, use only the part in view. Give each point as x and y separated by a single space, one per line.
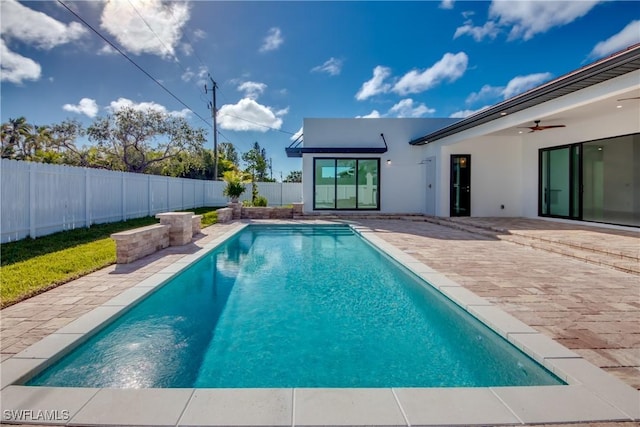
388 161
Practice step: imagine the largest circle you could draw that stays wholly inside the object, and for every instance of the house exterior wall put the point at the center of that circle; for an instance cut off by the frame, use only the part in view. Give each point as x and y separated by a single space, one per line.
496 180
504 163
401 181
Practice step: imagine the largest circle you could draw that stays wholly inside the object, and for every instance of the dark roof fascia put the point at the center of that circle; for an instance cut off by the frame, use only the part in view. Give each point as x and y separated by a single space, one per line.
538 95
299 151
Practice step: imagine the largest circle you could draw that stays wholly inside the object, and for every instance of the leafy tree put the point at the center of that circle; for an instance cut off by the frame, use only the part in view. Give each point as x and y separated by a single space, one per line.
63 139
294 176
229 152
256 160
136 140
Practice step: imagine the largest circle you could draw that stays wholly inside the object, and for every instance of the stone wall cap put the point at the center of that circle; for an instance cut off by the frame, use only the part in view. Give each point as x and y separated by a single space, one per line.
128 233
176 214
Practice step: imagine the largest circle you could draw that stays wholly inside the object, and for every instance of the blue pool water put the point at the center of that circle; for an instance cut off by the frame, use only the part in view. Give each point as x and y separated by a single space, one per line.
303 306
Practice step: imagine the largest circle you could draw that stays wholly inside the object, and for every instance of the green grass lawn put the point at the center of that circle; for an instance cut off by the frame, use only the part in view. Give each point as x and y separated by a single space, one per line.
31 266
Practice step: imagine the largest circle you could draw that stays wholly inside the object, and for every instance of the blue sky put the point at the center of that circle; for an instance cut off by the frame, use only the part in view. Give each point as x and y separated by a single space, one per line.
276 63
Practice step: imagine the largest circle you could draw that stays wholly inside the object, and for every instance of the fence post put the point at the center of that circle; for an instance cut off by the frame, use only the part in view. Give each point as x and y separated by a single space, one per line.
124 200
149 198
32 200
87 199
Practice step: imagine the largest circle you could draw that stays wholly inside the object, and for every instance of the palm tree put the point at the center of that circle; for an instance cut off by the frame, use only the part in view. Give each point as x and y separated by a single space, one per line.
38 142
14 134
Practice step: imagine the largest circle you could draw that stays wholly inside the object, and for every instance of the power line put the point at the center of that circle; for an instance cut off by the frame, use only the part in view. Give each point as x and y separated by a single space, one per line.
154 33
133 62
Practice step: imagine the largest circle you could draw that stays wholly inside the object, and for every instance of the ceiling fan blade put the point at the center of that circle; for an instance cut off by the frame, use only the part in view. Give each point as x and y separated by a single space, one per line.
551 127
627 99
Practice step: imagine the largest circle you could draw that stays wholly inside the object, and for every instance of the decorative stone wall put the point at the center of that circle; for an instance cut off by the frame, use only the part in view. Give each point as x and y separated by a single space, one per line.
139 242
236 209
266 213
196 224
298 209
181 226
225 214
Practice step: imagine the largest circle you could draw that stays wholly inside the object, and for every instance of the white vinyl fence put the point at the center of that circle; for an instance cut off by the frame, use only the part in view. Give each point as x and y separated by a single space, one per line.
37 199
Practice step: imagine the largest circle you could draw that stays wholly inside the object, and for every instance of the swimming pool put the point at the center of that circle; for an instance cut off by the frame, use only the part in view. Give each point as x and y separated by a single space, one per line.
304 306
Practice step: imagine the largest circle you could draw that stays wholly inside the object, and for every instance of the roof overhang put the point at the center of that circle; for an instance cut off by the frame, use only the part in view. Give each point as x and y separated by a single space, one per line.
299 151
296 150
606 69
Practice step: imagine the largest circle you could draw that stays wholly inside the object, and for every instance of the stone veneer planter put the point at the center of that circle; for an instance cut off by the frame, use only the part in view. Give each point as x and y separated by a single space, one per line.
266 213
181 226
139 242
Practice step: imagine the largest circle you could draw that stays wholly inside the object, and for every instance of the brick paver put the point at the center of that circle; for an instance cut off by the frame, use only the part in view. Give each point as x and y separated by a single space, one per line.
591 309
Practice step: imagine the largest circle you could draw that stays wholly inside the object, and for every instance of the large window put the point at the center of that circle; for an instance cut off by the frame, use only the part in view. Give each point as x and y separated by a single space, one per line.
592 181
348 184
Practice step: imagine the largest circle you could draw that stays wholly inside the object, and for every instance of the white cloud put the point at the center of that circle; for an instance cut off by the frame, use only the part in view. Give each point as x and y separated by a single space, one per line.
376 85
273 40
375 114
521 84
331 66
16 68
486 92
466 113
406 108
468 14
248 115
36 28
252 90
528 18
450 68
489 29
86 106
106 49
199 75
199 34
515 86
447 4
523 19
123 21
628 36
121 103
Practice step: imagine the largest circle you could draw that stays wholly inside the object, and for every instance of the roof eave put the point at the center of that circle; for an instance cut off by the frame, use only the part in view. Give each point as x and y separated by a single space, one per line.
537 95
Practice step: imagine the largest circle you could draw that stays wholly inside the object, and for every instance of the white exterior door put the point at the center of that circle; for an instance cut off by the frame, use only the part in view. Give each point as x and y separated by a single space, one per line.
430 186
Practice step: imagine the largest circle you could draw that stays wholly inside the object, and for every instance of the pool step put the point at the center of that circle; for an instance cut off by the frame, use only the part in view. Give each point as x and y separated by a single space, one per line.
604 255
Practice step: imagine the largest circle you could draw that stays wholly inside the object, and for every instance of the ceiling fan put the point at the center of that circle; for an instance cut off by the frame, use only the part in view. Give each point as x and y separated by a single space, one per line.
537 126
626 99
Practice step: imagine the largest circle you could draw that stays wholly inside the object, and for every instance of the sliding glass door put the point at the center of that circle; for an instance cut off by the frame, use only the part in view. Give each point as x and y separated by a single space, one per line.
593 181
611 180
347 184
560 182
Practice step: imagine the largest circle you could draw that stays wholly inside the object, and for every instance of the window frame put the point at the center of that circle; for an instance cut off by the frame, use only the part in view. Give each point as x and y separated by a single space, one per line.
335 189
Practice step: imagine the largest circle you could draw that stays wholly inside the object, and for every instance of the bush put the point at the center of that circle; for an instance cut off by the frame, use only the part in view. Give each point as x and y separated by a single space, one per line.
235 185
260 201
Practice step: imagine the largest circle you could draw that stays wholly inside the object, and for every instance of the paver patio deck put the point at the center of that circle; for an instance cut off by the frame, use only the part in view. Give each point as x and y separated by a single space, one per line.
593 310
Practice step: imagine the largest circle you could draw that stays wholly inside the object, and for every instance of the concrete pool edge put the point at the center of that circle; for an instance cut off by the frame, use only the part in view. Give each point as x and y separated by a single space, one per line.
592 394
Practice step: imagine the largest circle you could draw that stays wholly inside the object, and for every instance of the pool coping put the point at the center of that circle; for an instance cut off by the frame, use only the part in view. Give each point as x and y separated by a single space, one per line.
591 394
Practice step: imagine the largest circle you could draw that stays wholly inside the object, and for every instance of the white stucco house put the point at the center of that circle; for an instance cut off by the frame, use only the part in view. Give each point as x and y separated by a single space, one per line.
569 148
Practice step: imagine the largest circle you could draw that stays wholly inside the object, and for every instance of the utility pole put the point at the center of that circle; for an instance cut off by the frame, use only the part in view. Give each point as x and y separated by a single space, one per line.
214 114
